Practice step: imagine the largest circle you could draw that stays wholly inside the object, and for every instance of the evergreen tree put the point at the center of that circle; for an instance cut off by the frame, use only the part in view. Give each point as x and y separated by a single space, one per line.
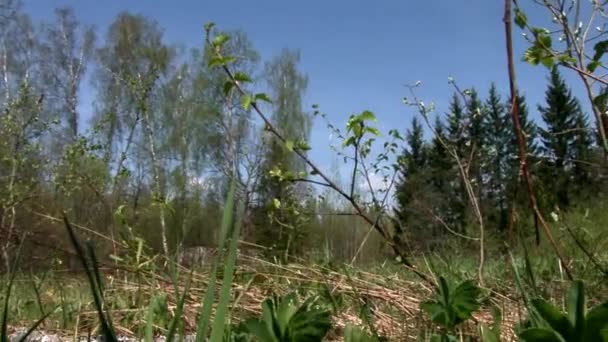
475 141
562 115
457 139
496 156
410 189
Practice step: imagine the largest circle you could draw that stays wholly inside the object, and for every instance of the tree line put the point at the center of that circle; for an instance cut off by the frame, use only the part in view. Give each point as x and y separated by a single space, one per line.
563 152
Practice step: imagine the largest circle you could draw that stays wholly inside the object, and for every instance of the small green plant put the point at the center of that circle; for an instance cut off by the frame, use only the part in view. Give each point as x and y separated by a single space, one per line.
452 306
287 320
546 323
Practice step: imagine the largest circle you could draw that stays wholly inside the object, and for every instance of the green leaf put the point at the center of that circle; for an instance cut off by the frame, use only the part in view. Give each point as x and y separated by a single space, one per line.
575 307
567 59
556 320
367 116
217 332
437 312
544 41
220 61
591 67
600 49
246 101
548 61
465 300
303 146
204 318
262 97
350 141
208 26
228 87
372 130
539 335
520 18
601 100
242 77
596 324
220 40
489 335
289 145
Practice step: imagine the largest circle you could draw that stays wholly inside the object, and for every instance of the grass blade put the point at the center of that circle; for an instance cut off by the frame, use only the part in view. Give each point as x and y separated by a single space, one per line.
106 326
207 307
217 332
35 326
178 312
9 286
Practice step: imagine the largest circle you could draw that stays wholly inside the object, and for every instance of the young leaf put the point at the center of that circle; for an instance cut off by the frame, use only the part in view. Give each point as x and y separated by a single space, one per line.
220 61
575 307
289 145
209 26
242 77
520 18
246 101
228 87
220 40
262 97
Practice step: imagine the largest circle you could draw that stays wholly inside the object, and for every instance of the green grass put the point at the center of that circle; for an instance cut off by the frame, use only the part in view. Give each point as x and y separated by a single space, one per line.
378 300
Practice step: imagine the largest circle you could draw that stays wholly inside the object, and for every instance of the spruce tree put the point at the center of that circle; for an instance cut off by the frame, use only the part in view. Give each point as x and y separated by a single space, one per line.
562 115
457 138
496 156
410 180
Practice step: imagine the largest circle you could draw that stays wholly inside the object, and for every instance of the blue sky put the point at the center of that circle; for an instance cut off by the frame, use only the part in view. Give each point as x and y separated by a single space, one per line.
357 54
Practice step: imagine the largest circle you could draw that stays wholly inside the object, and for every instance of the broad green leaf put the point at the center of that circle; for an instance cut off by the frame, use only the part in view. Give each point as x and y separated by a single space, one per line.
437 312
540 335
520 18
246 101
465 300
262 97
557 320
576 306
242 77
596 324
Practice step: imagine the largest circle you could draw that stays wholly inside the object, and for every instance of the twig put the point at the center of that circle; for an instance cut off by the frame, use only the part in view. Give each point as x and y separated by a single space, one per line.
521 139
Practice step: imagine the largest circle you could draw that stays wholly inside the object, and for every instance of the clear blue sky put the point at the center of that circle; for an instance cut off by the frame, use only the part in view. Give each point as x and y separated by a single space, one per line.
357 54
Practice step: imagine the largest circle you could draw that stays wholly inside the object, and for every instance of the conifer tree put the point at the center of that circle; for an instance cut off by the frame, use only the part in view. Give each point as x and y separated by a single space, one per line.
496 156
565 131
